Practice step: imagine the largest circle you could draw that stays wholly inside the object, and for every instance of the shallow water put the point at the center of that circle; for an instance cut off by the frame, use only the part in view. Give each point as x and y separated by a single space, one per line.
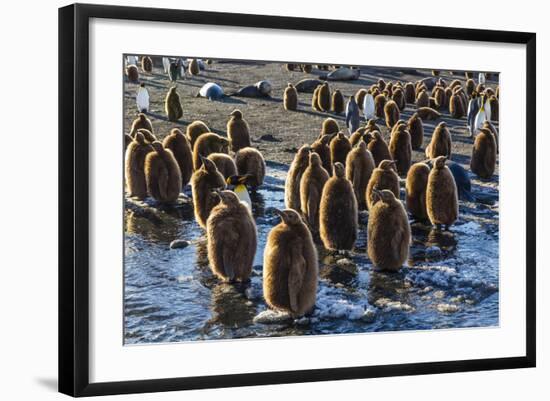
451 280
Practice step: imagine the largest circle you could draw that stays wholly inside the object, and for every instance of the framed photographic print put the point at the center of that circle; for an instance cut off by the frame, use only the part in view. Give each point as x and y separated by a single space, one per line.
249 199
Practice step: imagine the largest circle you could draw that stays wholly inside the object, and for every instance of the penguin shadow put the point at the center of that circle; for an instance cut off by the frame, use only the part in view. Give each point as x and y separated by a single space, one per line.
232 100
460 159
320 114
258 203
163 117
154 84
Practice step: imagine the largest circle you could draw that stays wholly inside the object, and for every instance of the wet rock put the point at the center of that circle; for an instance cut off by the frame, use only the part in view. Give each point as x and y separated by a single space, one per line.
447 308
389 305
179 244
433 252
439 294
272 317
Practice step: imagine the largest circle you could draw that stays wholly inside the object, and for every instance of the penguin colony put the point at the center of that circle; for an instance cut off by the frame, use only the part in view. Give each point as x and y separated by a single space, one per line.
350 167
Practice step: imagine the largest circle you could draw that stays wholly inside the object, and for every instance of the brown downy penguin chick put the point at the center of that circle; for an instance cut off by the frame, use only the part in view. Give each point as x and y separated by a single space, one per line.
321 147
379 104
383 177
415 189
147 64
410 95
488 125
423 99
470 87
172 105
391 113
427 113
315 99
178 143
433 103
378 148
250 162
440 97
194 130
290 67
337 105
358 136
148 135
388 232
484 154
194 68
338 212
132 73
329 127
311 188
237 131
290 98
359 168
441 143
371 126
454 83
136 184
360 96
294 177
456 106
399 98
441 194
203 182
141 122
290 266
207 144
381 84
162 174
493 102
401 149
231 238
416 129
340 146
323 98
224 163
307 68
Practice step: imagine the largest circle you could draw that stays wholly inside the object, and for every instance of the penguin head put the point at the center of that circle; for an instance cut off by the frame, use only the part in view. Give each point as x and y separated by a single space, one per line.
361 144
208 165
439 162
340 136
325 139
289 216
339 170
377 135
239 179
237 114
226 197
142 117
384 195
139 138
304 151
177 132
386 164
157 146
314 159
223 144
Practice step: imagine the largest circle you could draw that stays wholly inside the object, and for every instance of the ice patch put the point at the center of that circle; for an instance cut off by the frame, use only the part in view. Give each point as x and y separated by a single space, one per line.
447 308
271 317
388 305
469 228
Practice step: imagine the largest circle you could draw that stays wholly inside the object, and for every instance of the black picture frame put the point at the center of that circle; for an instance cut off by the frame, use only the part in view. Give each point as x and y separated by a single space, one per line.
74 200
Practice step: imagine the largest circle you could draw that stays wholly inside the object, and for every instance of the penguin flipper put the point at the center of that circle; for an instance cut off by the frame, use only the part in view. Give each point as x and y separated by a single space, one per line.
295 275
228 252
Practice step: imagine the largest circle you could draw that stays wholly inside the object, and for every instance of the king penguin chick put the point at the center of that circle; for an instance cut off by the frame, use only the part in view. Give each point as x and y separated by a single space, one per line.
383 177
132 73
416 129
311 188
172 105
224 163
338 212
290 98
290 266
142 99
141 122
177 142
232 238
162 174
337 105
484 154
237 131
294 177
359 168
207 144
352 115
321 147
239 184
415 189
250 162
323 97
203 182
194 68
194 130
136 184
340 146
147 64
441 194
378 147
388 232
440 144
329 127
401 149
